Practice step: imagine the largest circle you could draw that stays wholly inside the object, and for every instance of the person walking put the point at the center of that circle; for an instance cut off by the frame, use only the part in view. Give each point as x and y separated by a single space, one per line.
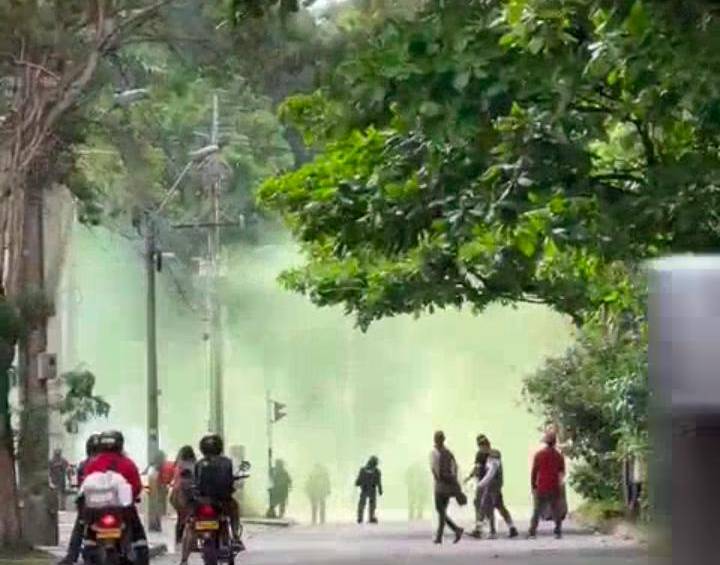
279 490
157 493
445 473
489 494
317 488
369 481
547 481
59 470
418 490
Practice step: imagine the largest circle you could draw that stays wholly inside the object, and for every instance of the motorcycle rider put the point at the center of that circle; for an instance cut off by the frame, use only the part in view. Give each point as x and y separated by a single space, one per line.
75 543
215 480
112 459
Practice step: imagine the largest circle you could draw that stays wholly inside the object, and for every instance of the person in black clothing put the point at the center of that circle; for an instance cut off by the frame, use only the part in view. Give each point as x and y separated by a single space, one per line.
369 481
215 480
75 544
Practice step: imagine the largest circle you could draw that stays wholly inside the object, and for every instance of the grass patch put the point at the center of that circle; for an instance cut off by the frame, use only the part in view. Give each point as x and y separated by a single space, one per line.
602 515
25 557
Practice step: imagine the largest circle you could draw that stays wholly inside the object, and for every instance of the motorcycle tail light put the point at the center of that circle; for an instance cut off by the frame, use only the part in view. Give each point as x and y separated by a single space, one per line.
205 511
108 521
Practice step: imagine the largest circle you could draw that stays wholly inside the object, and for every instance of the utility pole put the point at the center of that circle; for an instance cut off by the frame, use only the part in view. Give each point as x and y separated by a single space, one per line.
217 416
214 332
151 264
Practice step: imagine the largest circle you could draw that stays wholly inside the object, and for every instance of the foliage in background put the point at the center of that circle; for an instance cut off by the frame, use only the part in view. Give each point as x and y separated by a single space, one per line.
517 150
80 404
597 392
506 150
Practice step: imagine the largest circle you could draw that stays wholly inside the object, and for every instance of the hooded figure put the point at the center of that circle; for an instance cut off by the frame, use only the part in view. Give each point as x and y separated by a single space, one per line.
369 481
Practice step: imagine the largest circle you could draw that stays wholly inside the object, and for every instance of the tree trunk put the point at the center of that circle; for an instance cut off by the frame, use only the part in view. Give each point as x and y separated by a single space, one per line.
10 531
10 525
39 502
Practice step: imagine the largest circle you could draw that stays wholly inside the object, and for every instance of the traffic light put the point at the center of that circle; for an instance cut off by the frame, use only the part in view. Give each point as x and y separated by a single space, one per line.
278 411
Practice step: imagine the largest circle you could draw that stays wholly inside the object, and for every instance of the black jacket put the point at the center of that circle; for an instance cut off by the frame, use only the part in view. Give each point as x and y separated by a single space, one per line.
214 478
369 479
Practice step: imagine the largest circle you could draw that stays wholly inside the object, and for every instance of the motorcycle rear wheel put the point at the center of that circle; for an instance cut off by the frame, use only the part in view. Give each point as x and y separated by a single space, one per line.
210 552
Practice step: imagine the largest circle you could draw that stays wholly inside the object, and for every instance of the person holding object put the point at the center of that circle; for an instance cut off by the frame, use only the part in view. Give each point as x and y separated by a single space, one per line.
547 482
445 472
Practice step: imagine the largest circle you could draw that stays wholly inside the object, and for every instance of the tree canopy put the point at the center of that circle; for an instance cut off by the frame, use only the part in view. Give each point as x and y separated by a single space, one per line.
507 150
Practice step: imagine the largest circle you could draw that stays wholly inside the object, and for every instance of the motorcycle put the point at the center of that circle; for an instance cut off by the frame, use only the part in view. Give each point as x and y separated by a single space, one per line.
208 530
107 537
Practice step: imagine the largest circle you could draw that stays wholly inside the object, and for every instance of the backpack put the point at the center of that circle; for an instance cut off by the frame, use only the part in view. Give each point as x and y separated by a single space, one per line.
447 466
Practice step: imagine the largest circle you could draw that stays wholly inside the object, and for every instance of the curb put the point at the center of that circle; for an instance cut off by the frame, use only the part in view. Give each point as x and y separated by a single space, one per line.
275 522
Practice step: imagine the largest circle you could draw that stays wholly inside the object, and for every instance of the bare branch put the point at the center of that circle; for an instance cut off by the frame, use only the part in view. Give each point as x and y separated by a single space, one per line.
135 20
41 68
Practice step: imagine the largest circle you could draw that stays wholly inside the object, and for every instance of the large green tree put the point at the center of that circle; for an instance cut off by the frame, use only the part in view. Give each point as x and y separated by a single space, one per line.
507 150
54 58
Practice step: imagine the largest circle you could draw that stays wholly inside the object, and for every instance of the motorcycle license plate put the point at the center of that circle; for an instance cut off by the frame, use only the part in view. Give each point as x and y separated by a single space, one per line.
108 534
208 525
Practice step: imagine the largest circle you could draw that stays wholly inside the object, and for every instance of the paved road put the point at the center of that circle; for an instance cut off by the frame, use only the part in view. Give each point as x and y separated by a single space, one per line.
401 543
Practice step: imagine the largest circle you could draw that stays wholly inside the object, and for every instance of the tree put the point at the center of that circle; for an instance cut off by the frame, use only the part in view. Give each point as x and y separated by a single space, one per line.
54 55
503 151
516 150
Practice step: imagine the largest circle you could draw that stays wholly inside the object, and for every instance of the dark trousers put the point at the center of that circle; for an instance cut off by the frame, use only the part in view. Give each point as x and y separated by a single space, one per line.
365 498
540 501
442 501
76 539
318 510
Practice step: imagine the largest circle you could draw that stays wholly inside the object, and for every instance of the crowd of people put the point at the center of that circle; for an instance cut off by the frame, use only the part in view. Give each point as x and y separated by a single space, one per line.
212 476
546 481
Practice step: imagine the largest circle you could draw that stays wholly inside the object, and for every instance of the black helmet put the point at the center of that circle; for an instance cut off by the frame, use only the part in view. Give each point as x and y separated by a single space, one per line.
112 441
92 445
211 445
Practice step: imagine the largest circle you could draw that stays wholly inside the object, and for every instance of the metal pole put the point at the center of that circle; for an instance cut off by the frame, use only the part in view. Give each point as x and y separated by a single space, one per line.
153 439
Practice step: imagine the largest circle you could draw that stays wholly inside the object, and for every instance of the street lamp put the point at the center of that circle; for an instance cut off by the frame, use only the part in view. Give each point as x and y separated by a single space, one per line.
153 264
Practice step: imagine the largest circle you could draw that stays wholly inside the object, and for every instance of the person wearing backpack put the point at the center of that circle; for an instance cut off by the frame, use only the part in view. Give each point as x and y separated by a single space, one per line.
445 472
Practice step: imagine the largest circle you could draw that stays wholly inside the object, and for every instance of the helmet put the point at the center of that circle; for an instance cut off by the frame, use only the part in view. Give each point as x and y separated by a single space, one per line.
112 441
92 445
211 445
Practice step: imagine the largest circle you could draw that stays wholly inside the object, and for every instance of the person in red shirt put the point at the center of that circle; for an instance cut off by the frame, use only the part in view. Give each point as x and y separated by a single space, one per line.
112 458
546 480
